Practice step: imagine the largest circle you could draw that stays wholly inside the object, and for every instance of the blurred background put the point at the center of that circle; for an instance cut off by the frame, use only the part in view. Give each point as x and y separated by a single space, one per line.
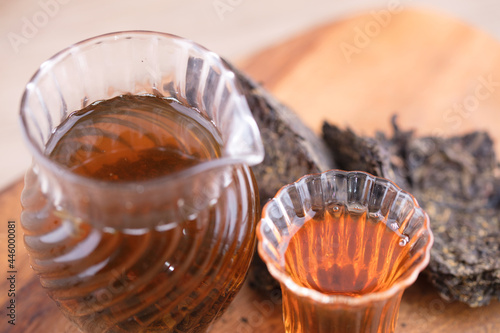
33 30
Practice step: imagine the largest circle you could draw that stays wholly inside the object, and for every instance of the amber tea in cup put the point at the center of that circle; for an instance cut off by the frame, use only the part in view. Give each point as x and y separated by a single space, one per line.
320 255
344 246
139 210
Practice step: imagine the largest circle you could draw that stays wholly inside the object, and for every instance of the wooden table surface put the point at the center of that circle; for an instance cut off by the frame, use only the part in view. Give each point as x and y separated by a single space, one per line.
440 75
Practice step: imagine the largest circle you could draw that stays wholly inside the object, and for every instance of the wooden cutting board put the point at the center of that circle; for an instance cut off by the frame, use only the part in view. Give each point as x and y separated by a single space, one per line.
439 75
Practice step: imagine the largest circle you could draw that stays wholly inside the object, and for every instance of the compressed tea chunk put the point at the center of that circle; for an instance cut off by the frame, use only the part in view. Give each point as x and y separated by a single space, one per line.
454 180
379 156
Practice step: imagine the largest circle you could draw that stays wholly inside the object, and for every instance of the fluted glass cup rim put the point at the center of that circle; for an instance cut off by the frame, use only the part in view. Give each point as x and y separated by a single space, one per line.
44 161
279 273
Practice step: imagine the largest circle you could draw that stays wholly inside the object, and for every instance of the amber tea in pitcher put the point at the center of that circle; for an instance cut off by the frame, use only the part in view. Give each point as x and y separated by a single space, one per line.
133 138
140 208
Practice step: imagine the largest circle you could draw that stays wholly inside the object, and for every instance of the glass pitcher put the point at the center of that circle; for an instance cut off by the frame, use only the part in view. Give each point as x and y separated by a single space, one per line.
167 253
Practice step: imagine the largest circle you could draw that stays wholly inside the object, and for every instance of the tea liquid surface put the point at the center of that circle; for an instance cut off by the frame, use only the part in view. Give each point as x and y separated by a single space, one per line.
133 138
345 255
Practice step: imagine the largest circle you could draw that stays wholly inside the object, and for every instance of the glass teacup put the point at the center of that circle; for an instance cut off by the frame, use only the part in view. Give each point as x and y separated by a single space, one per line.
344 246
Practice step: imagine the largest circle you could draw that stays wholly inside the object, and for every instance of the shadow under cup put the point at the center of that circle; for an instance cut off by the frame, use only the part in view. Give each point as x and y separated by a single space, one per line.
344 247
